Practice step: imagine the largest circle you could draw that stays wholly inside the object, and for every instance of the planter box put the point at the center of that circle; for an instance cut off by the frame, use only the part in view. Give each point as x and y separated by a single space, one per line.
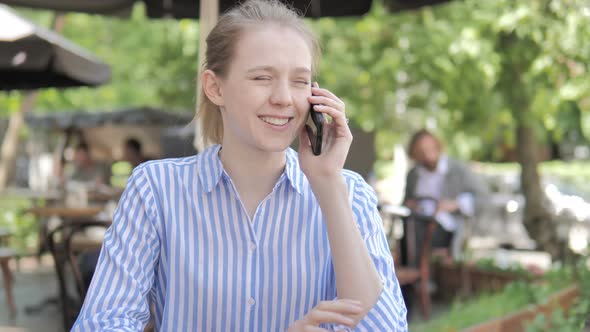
469 279
485 280
517 321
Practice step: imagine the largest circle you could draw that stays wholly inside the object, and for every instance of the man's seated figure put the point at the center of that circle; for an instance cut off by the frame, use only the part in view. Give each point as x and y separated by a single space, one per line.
443 188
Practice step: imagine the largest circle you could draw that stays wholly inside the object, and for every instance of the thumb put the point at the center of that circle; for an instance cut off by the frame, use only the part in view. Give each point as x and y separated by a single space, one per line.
304 143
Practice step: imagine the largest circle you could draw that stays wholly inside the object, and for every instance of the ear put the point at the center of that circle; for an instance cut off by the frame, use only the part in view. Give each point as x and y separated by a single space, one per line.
211 87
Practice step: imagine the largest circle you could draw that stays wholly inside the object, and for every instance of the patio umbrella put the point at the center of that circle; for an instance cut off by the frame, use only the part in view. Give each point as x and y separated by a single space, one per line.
191 8
32 57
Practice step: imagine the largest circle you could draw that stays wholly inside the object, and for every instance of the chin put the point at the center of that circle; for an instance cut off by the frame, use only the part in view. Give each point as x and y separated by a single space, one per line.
275 145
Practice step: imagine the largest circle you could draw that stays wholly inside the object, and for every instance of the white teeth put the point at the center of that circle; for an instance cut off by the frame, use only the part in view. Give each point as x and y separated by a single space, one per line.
275 121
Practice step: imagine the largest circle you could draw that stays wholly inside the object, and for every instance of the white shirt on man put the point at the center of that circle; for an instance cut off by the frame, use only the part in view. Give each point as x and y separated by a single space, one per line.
431 184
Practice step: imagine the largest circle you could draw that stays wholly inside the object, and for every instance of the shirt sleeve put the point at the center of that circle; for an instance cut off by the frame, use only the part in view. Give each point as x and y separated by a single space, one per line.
117 299
466 204
389 313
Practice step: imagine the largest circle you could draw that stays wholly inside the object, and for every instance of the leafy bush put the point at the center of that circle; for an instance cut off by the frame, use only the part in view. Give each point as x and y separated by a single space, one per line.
579 315
24 227
515 296
489 264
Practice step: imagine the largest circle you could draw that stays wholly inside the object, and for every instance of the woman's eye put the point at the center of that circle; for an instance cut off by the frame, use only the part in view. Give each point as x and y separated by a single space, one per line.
262 78
302 82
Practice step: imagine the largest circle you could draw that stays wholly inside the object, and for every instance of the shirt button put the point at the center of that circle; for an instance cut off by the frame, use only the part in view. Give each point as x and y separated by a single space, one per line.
252 246
251 302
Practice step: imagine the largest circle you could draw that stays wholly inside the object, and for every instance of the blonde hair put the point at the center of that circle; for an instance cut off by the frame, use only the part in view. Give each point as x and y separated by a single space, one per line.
220 49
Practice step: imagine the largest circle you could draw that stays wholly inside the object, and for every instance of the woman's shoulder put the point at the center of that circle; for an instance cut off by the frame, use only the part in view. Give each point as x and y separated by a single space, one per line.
156 169
358 187
354 179
352 175
170 162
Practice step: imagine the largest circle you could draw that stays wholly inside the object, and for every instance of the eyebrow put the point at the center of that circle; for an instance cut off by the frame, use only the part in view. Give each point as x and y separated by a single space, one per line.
304 70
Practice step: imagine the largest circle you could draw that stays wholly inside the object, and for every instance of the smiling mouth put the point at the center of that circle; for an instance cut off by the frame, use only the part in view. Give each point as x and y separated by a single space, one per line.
275 121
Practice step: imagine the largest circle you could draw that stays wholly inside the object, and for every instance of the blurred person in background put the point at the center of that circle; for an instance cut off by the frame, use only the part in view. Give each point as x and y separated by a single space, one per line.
459 194
442 188
132 152
85 169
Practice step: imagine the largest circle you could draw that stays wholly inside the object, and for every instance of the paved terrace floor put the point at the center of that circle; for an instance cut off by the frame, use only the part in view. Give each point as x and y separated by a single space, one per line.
34 282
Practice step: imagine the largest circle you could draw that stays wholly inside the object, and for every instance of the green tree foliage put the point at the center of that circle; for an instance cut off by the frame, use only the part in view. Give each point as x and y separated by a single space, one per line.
395 71
503 73
450 65
154 62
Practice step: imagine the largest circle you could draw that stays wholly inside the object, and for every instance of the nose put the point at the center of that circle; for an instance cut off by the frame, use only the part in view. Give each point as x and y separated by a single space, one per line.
281 94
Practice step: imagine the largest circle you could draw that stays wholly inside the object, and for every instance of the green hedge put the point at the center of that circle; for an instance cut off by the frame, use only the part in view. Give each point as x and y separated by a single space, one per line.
25 227
466 313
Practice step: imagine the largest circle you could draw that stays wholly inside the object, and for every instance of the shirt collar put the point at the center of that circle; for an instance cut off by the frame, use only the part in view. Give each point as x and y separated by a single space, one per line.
294 174
212 170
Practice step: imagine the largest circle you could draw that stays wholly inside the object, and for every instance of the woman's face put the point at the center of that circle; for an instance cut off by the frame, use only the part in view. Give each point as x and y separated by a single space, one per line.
265 92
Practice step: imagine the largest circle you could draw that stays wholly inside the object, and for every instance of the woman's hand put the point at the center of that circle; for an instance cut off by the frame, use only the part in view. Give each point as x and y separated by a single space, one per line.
336 141
342 312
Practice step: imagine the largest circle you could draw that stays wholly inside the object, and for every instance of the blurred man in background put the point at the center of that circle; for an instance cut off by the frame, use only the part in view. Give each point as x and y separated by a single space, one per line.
458 194
438 189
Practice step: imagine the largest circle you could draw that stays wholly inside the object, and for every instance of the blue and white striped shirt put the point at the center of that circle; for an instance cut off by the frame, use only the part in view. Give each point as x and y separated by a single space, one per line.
182 240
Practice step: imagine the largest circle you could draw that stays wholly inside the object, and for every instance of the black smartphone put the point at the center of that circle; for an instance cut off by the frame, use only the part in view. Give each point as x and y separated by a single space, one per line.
314 128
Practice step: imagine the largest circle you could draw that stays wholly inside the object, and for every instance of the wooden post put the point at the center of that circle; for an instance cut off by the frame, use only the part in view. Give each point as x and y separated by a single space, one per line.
11 140
209 13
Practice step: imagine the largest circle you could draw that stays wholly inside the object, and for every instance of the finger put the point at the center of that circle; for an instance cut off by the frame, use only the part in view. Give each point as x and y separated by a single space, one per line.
334 113
328 136
309 328
351 301
317 91
335 132
342 306
304 143
335 129
327 101
317 317
337 116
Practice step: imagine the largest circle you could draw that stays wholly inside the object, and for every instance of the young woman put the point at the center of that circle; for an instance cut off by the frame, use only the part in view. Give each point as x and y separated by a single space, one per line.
250 235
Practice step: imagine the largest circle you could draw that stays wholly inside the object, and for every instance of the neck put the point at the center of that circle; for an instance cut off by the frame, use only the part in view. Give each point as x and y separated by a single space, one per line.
432 167
252 170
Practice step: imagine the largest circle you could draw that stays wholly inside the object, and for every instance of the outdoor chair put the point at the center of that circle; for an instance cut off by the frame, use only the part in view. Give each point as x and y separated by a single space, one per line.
6 255
412 258
66 243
